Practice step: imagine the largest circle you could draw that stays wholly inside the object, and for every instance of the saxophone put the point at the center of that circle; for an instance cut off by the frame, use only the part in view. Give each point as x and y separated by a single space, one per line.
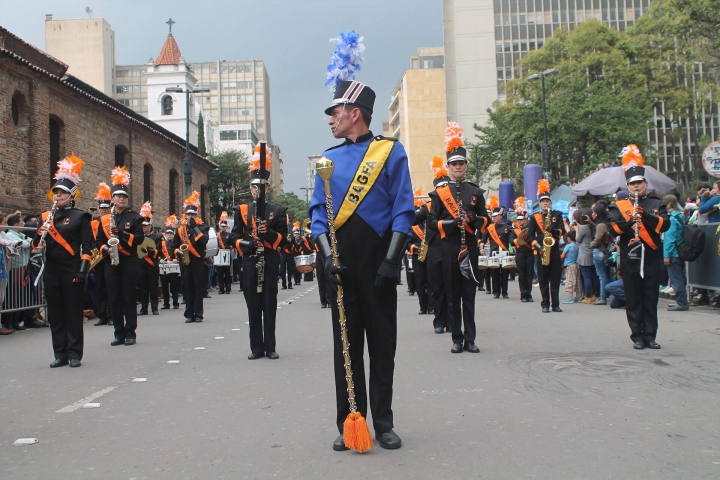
113 241
184 245
422 252
548 240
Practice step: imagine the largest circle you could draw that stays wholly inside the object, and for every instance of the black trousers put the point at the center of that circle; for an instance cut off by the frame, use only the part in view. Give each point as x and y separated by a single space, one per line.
101 310
460 295
286 273
224 278
121 282
641 300
324 290
370 313
65 306
499 278
549 280
170 286
421 284
434 273
409 276
526 272
149 276
262 307
194 282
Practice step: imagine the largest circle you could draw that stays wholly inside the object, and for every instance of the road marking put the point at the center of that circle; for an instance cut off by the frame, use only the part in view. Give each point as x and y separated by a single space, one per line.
88 399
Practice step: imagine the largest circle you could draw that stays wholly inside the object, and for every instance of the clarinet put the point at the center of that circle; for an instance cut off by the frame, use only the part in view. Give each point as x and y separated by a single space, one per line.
47 224
458 185
260 251
637 224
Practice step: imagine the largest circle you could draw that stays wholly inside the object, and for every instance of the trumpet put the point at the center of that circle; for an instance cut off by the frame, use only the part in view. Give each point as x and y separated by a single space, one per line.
113 241
548 240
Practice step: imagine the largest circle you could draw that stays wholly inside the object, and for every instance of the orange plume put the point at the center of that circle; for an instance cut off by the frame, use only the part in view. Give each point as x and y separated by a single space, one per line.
223 216
255 163
171 221
146 210
70 168
419 198
296 225
493 202
103 192
520 205
438 167
631 157
193 200
543 186
120 176
453 136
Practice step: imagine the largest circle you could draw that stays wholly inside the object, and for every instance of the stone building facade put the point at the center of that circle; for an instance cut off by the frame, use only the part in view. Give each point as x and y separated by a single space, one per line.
46 114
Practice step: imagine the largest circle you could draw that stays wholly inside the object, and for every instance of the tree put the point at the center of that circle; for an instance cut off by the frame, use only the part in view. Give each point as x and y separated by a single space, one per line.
201 136
230 180
297 208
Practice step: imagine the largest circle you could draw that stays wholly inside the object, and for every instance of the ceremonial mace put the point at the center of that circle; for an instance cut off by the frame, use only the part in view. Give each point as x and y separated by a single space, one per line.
356 433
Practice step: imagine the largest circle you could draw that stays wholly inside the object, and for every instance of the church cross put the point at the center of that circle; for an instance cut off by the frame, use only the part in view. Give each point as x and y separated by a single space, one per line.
170 23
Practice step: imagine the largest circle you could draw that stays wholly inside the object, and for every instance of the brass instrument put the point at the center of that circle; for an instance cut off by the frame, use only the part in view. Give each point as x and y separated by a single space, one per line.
142 248
548 240
96 258
423 250
522 238
306 227
113 241
184 245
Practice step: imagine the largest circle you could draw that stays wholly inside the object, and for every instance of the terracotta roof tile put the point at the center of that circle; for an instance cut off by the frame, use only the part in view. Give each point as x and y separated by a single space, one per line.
170 53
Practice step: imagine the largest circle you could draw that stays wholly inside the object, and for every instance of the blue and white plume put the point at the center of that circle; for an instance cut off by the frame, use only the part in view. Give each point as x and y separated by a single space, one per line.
346 58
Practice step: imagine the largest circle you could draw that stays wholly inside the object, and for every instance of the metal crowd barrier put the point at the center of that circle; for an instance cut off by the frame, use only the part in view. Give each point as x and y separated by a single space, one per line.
20 292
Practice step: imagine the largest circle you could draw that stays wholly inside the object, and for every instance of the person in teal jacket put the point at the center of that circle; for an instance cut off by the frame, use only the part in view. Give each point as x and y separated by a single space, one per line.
675 264
710 203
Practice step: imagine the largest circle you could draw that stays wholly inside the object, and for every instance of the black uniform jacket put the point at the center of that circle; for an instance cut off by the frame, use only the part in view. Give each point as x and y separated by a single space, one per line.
197 238
276 236
654 222
536 230
131 233
502 233
442 221
421 217
224 240
68 241
167 252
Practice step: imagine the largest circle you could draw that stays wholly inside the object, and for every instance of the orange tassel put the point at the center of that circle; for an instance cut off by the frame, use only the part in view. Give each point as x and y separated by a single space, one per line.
356 433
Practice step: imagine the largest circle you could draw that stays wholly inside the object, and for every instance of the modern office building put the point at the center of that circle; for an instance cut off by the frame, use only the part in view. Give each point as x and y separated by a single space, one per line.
87 46
417 113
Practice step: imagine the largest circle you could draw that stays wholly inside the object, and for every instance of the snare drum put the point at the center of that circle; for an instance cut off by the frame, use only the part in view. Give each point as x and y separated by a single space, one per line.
212 245
482 262
313 259
303 263
223 258
169 267
494 261
508 261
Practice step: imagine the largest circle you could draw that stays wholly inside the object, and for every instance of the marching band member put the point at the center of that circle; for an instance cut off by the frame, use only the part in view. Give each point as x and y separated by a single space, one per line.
224 277
103 312
456 214
193 236
524 254
500 237
123 226
287 265
549 268
639 221
67 240
417 240
296 249
373 222
250 233
170 282
150 265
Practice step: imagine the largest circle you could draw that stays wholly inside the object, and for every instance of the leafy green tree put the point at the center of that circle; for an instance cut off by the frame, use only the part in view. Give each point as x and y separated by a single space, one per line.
201 136
229 181
297 208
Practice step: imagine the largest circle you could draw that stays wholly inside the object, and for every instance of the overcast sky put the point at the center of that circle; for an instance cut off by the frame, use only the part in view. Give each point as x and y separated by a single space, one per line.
291 36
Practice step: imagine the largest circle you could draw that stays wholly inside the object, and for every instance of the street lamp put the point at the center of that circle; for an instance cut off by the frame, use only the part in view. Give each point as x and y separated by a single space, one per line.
477 170
187 163
545 147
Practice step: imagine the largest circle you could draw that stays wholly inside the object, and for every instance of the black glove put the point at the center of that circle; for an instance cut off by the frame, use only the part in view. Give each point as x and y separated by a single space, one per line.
331 271
151 252
83 273
191 222
388 274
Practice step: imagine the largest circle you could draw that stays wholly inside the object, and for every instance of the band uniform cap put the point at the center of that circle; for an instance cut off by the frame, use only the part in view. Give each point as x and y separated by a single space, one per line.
440 182
170 230
544 195
119 190
104 203
147 221
255 178
635 174
223 223
520 216
352 92
496 212
457 154
66 185
190 209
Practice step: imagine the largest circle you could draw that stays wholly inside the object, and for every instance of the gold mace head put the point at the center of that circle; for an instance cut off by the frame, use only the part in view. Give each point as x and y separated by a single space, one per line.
325 168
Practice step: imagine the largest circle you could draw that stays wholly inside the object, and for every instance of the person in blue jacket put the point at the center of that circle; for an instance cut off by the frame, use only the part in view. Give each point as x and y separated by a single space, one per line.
675 265
710 203
373 210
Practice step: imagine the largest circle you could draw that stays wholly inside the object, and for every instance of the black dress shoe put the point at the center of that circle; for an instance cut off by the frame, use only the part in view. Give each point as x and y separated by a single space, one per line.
388 440
439 330
488 292
272 355
175 307
256 355
59 362
529 299
524 300
557 309
639 345
100 322
653 345
496 295
118 341
206 296
289 288
130 341
481 289
111 323
189 320
456 348
339 444
198 319
506 296
423 312
546 310
431 311
165 307
471 347
74 362
283 287
143 311
221 292
155 312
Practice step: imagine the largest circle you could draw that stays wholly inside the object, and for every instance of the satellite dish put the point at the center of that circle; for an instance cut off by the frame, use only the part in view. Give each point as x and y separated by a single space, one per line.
88 11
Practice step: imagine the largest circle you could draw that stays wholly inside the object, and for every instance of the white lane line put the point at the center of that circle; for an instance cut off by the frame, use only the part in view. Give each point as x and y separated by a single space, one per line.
88 399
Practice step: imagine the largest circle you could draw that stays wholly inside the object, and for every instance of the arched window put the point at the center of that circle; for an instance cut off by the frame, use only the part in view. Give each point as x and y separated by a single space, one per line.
147 182
20 112
57 144
120 152
166 105
172 190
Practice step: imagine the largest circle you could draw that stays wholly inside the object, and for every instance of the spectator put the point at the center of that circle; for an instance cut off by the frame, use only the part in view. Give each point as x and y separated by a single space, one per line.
8 242
617 292
710 202
584 237
599 247
573 283
675 264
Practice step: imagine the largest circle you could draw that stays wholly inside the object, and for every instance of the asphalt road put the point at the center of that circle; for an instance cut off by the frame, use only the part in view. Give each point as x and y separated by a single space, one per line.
550 396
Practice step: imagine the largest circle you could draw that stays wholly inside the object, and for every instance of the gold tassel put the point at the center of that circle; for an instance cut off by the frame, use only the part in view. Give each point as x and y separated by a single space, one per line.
356 433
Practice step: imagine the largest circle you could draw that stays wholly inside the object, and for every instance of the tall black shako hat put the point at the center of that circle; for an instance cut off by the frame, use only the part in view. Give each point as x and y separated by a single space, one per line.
633 164
67 176
454 144
120 178
255 165
355 93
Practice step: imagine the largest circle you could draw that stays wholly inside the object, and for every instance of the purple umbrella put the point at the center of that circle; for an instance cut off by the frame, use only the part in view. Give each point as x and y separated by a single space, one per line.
612 179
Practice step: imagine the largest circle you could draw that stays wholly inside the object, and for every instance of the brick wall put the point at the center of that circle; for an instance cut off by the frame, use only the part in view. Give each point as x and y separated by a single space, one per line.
90 130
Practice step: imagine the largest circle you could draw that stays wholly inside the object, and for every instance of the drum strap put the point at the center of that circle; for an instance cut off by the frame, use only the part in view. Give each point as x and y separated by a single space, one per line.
222 244
165 250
